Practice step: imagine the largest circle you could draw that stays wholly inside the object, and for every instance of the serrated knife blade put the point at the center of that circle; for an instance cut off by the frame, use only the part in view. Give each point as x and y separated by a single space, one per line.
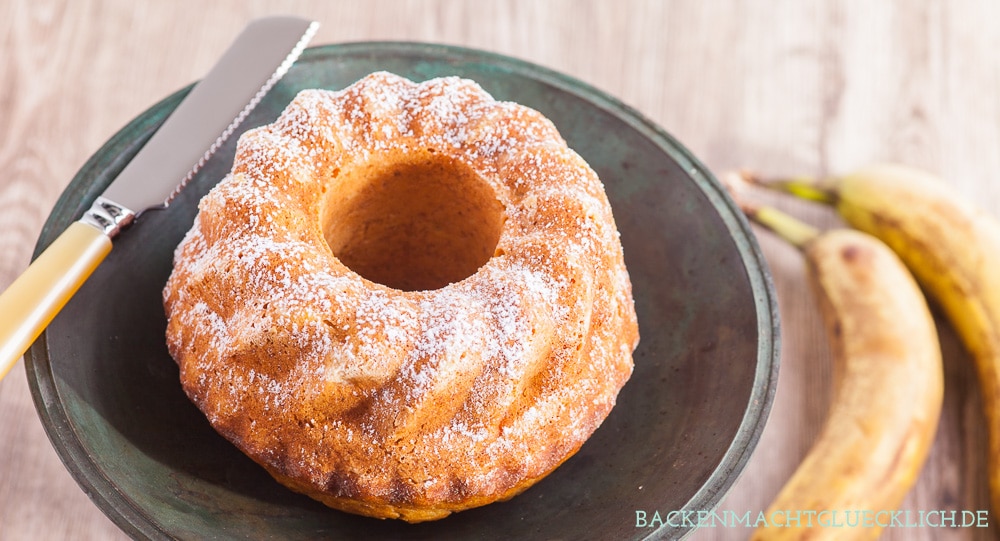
204 119
209 114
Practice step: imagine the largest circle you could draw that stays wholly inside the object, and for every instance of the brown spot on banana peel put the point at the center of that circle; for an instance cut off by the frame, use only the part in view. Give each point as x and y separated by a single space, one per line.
890 230
909 439
834 327
849 253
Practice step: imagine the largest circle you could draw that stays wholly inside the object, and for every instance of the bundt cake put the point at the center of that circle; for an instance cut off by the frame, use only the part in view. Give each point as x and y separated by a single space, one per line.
405 299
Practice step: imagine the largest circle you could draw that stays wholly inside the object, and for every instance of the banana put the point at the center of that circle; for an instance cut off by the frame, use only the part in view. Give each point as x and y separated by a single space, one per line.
950 246
888 386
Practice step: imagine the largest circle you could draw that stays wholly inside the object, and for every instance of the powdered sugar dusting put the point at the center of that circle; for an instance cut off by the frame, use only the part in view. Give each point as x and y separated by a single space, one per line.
480 384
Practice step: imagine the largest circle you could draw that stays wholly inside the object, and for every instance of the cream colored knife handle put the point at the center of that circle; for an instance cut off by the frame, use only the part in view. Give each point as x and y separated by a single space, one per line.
30 303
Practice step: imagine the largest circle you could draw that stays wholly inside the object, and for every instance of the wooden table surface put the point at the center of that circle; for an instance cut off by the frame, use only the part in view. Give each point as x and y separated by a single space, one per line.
797 87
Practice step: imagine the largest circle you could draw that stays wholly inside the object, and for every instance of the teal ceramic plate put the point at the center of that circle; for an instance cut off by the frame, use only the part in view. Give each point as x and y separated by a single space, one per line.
684 427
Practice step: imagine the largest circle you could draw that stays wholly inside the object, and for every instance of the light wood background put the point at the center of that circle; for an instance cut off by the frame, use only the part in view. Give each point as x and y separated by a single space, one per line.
794 87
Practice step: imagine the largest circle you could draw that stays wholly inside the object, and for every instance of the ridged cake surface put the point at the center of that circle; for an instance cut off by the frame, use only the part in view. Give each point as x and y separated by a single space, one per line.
405 300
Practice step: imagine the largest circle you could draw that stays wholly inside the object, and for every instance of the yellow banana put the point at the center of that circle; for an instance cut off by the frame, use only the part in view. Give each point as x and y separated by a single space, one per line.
950 246
887 388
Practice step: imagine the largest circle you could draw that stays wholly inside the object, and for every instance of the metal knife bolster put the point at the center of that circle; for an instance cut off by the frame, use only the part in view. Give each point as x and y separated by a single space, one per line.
108 217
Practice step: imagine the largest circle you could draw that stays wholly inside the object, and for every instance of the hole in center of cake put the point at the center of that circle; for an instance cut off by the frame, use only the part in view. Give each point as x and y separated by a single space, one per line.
412 222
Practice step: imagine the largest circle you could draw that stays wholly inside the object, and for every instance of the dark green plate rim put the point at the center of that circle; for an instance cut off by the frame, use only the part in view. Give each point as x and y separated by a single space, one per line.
85 187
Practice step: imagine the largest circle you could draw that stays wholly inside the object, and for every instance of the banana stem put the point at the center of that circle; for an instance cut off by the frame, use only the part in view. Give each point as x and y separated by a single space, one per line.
803 187
796 232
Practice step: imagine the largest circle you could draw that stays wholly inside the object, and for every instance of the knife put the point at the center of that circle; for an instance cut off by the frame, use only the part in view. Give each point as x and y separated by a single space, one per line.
193 132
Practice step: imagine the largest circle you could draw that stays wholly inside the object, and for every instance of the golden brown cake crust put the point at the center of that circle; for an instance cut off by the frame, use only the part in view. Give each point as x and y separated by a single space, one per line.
422 399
